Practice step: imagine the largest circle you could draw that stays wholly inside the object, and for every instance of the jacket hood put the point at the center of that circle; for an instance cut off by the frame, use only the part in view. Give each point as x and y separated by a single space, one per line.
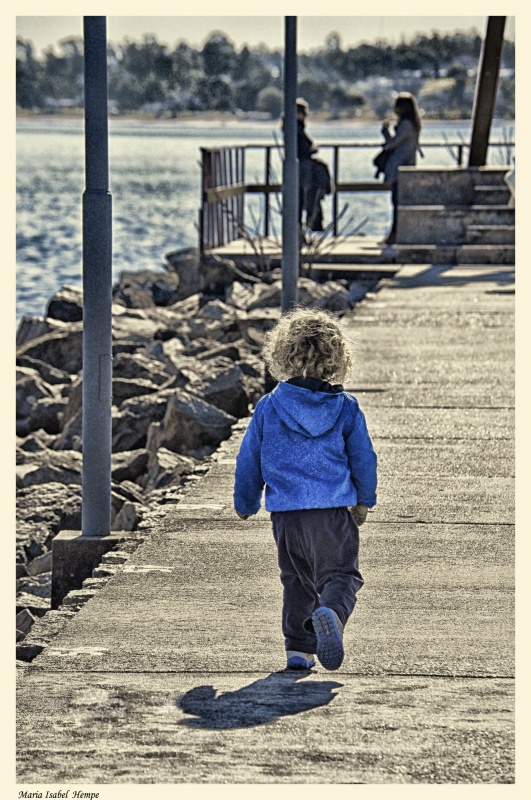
311 413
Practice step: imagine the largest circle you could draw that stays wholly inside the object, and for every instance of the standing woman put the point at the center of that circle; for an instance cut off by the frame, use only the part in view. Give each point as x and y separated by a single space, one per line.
402 147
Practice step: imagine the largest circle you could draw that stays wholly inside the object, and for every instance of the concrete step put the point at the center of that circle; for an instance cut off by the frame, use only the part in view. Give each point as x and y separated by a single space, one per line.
492 195
460 254
424 254
485 254
491 234
440 185
440 224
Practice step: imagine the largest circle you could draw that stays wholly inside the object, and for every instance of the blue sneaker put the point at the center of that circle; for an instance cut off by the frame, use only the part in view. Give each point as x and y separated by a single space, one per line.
329 632
297 660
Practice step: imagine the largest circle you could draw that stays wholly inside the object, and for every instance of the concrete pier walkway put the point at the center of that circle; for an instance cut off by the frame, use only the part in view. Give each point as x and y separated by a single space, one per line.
173 671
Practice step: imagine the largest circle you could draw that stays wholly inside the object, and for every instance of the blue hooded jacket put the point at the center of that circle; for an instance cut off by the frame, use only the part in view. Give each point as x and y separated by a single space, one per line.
310 449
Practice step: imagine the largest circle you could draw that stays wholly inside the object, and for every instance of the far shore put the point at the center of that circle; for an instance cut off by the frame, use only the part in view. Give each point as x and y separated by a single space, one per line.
209 118
190 118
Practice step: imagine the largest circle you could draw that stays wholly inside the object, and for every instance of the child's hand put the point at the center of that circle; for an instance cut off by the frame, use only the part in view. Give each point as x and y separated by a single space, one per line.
242 516
359 514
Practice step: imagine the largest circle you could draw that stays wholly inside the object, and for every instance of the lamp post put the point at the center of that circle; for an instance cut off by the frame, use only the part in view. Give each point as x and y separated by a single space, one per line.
290 175
97 289
486 89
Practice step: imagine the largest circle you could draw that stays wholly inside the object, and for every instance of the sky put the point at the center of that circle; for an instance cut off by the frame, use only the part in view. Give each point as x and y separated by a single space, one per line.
44 31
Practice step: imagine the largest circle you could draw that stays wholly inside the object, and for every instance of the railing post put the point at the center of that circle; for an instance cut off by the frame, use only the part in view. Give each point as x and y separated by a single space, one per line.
202 208
336 181
241 220
267 178
201 232
97 290
219 208
290 182
234 201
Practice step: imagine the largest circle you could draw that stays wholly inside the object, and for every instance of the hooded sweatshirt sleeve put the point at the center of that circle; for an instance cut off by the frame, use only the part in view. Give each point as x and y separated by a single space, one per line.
248 480
361 457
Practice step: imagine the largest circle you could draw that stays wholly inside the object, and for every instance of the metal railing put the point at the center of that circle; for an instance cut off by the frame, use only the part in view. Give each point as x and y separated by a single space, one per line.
224 185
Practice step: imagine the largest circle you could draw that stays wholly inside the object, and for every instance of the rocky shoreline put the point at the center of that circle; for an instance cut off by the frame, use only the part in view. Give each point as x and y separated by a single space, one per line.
186 368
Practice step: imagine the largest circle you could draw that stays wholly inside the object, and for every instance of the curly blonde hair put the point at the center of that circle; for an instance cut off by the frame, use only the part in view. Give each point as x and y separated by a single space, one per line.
307 342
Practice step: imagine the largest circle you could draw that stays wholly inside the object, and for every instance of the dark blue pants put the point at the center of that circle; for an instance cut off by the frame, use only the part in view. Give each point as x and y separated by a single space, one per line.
318 561
394 200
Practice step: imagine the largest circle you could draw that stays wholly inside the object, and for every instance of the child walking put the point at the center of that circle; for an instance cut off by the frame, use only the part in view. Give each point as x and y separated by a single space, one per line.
308 444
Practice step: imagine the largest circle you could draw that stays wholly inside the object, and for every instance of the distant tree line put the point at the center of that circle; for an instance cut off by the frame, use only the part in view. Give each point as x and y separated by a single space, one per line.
337 82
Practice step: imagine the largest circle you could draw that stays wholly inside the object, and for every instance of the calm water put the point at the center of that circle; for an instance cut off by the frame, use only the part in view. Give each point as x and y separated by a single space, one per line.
155 186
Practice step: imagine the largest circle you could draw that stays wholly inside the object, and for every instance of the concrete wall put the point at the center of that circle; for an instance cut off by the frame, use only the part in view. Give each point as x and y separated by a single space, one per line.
426 186
455 215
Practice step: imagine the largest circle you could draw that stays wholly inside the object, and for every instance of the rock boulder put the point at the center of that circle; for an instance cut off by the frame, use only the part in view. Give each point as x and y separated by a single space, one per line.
62 349
129 465
48 374
66 305
48 466
191 426
167 469
137 366
131 423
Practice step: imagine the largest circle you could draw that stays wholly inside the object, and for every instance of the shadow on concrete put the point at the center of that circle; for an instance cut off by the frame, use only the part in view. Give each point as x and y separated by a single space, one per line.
261 702
441 275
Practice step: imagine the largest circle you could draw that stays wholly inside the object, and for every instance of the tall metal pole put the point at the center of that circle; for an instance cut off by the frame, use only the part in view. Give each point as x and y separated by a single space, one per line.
290 176
486 89
97 289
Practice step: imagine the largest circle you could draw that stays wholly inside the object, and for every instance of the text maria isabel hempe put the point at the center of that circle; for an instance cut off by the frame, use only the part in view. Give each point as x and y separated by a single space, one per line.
67 794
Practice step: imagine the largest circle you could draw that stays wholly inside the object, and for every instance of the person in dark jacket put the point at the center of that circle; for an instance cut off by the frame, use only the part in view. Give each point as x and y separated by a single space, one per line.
308 445
305 150
402 147
313 184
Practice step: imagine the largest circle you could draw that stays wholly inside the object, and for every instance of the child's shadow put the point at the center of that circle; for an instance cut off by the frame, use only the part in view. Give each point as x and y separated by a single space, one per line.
260 702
